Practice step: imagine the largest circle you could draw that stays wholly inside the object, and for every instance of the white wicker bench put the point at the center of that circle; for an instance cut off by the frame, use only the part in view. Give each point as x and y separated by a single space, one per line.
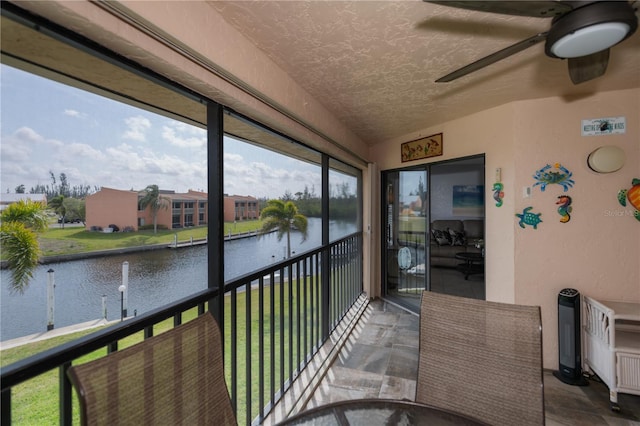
611 339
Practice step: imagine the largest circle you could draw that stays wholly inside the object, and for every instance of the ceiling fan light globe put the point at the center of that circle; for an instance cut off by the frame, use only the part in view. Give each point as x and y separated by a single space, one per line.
586 41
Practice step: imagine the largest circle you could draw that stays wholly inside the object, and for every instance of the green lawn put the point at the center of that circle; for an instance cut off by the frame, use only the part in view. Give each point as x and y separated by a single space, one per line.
71 240
36 402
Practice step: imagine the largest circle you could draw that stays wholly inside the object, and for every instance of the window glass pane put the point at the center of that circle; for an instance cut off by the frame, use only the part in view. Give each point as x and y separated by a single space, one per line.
344 211
259 166
63 138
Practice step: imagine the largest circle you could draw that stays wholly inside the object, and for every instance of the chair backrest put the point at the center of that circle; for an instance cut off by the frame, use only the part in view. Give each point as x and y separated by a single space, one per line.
482 359
176 377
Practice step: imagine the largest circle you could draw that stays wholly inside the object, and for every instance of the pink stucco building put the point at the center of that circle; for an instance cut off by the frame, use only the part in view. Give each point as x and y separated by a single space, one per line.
112 206
121 208
238 207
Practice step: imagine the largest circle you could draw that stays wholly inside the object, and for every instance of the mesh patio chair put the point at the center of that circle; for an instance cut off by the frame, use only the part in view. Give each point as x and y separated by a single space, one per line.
482 359
173 378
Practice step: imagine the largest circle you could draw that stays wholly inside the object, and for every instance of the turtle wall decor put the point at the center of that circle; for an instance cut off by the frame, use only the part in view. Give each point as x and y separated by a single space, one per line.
631 196
528 218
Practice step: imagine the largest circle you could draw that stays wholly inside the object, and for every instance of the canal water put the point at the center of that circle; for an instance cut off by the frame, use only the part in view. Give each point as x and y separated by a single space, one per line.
156 278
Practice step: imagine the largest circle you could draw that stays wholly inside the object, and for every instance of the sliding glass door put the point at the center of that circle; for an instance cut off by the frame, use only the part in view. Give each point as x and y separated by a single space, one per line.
433 230
406 219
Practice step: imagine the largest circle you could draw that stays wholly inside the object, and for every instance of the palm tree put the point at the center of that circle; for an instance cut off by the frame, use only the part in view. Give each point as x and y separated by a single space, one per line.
153 198
283 217
20 223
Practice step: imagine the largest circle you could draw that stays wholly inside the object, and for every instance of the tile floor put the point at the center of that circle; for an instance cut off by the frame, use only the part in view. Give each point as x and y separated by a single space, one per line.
379 360
447 281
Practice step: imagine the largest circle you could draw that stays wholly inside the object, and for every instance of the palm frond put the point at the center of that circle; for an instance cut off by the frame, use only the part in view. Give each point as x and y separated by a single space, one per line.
301 224
28 212
20 246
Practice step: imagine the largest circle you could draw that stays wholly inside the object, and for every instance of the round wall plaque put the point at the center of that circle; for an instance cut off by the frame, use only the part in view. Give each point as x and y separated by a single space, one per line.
606 159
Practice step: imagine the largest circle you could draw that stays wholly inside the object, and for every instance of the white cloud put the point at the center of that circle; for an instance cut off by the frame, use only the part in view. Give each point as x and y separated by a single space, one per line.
131 168
108 152
137 127
123 157
171 135
82 152
74 113
262 180
232 159
27 134
24 144
13 151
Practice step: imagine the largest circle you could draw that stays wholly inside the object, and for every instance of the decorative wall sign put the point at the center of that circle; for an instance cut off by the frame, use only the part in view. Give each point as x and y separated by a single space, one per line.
431 146
604 126
526 218
560 175
632 195
564 202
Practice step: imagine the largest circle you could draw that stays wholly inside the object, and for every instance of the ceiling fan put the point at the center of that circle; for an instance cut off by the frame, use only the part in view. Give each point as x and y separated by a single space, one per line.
581 32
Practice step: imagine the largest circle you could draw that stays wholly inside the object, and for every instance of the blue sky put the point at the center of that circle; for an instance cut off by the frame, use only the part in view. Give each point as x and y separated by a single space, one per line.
95 141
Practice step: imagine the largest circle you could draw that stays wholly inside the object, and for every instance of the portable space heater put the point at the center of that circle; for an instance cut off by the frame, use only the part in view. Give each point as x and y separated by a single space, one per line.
569 347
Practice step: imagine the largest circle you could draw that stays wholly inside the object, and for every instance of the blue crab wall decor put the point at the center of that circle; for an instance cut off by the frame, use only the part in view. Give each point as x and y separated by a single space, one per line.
560 175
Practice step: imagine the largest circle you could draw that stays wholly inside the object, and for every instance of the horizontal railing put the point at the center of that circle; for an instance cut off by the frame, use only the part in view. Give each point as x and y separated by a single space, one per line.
274 321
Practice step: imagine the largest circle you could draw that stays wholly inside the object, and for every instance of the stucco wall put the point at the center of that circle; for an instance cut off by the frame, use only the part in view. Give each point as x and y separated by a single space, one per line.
598 250
112 206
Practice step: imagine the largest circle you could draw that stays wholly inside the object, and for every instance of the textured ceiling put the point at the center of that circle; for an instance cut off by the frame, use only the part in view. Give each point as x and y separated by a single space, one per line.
374 63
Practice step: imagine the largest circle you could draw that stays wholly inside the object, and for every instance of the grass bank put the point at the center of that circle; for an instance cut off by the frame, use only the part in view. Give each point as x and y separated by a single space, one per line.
36 401
73 240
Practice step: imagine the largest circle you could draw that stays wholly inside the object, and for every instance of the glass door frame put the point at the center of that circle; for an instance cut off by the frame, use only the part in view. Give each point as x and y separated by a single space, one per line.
384 179
391 200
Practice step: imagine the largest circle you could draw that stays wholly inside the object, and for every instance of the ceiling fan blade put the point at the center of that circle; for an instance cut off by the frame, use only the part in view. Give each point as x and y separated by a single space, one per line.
585 68
494 57
536 9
